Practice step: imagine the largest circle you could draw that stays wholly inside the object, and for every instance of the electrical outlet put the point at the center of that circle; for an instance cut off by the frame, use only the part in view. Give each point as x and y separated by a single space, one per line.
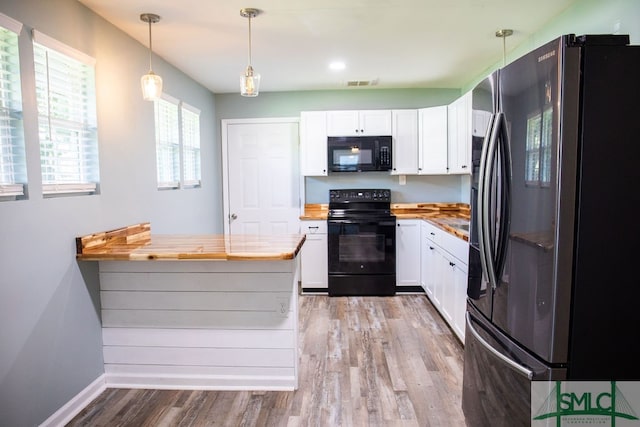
282 306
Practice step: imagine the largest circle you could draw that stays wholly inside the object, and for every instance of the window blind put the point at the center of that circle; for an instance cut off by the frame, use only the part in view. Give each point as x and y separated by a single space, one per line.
13 173
67 124
167 142
190 145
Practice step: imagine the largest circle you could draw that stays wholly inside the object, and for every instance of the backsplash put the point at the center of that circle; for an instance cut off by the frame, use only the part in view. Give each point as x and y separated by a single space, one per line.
432 188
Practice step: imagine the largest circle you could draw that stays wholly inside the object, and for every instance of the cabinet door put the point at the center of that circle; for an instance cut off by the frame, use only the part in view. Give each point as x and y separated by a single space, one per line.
427 264
314 256
459 299
423 257
375 122
405 142
432 148
359 123
343 123
313 143
408 252
440 271
460 124
447 290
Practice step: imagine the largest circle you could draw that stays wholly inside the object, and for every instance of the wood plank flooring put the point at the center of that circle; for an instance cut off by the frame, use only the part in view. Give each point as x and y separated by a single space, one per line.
364 361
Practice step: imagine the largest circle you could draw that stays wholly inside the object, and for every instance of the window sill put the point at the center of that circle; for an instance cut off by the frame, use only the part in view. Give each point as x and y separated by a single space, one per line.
54 190
168 185
191 184
11 191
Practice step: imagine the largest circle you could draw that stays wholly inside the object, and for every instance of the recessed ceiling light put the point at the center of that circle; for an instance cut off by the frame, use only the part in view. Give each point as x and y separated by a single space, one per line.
337 65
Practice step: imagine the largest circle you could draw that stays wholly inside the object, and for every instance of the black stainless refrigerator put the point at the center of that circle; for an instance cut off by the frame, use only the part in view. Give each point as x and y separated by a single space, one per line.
554 259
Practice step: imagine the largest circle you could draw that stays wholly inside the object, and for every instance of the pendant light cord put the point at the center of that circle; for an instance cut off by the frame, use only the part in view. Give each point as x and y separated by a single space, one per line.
503 34
150 46
249 40
504 50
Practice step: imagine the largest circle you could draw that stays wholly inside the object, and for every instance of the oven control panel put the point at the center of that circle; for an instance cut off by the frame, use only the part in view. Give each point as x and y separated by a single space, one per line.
360 195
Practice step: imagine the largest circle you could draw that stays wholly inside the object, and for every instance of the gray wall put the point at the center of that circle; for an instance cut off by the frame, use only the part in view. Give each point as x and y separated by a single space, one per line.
50 337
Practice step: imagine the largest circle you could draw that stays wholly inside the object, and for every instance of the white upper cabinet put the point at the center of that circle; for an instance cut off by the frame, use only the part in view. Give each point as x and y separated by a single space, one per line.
459 135
432 130
359 123
313 143
405 142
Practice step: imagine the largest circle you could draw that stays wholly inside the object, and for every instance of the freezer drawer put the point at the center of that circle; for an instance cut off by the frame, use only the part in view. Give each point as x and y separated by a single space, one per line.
497 376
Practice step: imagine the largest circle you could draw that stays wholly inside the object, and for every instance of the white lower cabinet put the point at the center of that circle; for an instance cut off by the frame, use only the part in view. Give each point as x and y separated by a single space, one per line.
314 274
407 254
459 298
444 274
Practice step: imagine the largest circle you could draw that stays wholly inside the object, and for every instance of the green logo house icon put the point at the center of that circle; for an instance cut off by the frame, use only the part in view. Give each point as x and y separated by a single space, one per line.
580 403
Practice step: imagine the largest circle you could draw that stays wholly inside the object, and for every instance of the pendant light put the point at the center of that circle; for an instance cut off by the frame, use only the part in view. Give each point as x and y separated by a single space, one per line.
504 34
249 81
151 82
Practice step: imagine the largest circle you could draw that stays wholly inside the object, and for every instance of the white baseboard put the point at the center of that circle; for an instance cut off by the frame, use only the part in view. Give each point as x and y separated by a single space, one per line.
201 382
73 407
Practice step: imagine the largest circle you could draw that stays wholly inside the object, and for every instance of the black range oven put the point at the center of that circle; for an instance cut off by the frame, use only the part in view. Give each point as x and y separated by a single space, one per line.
361 243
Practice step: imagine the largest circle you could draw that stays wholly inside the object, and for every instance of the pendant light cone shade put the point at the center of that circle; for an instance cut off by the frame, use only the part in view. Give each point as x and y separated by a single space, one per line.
250 80
151 82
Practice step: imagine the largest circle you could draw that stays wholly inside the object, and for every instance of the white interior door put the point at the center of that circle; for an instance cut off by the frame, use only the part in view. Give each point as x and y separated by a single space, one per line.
261 177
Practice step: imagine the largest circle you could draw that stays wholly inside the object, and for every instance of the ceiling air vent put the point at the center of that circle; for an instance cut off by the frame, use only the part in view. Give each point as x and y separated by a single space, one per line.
357 83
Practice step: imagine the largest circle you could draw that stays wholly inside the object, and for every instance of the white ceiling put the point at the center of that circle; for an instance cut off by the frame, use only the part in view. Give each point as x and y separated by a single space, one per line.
401 43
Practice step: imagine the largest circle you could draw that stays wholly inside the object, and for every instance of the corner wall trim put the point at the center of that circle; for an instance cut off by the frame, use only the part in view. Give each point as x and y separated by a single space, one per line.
73 407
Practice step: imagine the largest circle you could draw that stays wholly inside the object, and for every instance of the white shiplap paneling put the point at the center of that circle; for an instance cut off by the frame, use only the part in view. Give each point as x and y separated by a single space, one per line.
212 325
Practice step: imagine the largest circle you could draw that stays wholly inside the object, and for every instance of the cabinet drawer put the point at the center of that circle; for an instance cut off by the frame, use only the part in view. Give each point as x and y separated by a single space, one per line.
454 245
313 227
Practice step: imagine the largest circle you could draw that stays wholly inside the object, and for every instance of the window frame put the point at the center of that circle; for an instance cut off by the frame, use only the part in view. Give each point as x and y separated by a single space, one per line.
167 137
13 149
181 138
196 180
79 135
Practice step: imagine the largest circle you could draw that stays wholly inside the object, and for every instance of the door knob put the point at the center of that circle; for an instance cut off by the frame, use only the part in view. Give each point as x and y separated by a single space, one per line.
234 216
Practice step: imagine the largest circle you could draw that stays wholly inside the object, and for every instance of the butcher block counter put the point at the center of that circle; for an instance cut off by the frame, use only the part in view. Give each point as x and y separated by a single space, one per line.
135 243
451 217
197 311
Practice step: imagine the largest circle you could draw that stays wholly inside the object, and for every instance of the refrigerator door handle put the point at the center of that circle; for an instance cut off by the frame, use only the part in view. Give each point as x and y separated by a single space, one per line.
505 196
486 237
523 370
483 203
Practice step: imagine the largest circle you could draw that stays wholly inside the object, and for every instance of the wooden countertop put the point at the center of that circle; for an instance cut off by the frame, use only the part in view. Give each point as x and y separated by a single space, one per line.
136 243
448 216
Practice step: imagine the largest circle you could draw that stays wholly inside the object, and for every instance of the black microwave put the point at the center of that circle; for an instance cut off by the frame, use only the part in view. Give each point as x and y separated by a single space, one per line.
359 153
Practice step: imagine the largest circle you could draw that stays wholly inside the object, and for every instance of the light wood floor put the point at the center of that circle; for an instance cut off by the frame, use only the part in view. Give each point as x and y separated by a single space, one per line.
364 361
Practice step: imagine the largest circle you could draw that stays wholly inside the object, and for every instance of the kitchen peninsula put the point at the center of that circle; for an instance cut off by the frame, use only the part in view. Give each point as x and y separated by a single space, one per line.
197 311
